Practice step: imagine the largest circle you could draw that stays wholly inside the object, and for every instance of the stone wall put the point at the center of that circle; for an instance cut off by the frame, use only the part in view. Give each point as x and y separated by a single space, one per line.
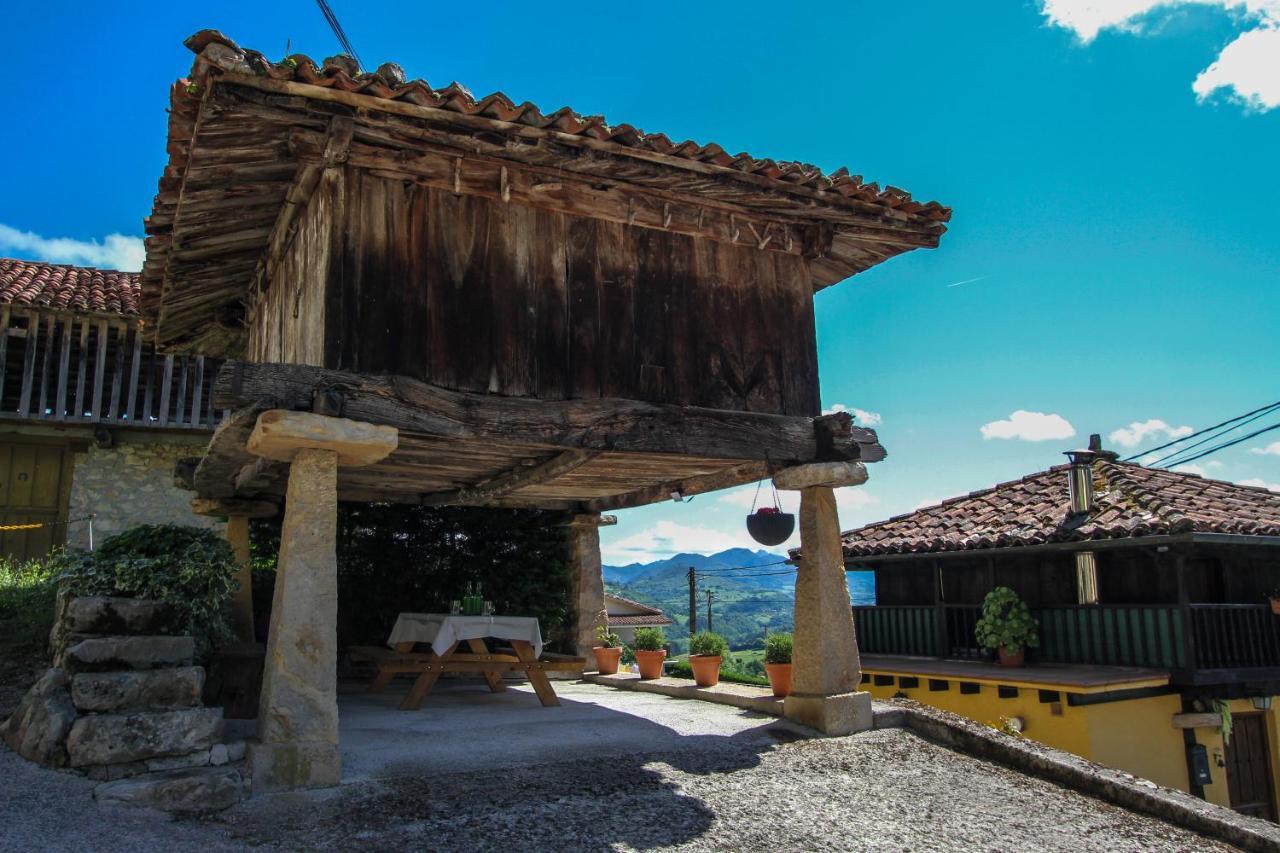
131 483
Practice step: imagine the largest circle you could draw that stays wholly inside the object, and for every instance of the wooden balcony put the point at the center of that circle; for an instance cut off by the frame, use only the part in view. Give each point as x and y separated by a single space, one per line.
1198 643
76 369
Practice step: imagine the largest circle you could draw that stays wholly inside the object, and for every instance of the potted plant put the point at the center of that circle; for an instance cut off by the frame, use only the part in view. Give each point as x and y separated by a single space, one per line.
777 663
650 645
609 652
1274 597
706 651
1006 626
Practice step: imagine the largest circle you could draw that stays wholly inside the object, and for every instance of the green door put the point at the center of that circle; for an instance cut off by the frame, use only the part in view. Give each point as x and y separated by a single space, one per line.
35 485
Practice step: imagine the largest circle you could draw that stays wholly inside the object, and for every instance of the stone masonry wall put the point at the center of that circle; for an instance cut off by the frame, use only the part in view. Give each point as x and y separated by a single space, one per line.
130 484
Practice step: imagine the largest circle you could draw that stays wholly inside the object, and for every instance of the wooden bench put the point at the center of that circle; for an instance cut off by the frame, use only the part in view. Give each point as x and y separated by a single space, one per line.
428 666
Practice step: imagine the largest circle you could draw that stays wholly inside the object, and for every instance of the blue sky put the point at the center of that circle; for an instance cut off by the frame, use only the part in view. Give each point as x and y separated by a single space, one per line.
1113 175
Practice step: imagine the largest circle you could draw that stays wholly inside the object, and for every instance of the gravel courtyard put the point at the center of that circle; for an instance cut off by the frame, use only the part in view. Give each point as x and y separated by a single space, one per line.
608 770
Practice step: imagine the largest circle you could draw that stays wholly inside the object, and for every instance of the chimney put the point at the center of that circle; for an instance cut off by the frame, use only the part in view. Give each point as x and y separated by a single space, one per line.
1080 488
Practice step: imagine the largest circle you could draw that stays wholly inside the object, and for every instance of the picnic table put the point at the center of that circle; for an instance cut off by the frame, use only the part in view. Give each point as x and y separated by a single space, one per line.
443 633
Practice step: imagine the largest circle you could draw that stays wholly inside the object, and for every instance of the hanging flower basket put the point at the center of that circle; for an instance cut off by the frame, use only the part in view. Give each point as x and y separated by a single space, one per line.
770 526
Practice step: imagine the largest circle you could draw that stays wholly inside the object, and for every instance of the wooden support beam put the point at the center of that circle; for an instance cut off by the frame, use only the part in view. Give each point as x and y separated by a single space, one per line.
1197 721
258 475
225 507
602 424
737 475
511 481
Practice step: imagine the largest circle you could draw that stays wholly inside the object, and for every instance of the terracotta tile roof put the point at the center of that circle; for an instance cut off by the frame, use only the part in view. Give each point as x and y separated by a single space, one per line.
69 288
1131 501
389 82
627 602
638 621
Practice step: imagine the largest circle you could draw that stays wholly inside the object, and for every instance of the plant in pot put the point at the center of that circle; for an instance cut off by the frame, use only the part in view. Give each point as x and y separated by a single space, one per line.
706 651
609 652
1006 626
651 650
777 663
1274 598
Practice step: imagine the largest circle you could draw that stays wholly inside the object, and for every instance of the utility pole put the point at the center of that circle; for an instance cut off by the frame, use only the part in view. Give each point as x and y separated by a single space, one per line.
711 593
693 602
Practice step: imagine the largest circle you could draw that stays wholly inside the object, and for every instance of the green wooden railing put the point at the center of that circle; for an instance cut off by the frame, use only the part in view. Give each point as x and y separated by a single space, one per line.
1148 635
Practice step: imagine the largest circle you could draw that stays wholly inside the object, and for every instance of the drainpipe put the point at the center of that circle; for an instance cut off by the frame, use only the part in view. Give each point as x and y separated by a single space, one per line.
1080 489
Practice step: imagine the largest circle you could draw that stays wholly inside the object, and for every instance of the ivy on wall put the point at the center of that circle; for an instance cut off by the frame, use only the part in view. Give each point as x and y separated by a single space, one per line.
394 558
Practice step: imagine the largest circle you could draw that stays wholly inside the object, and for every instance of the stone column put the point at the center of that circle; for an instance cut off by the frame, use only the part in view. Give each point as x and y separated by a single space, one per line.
242 605
297 743
588 579
825 671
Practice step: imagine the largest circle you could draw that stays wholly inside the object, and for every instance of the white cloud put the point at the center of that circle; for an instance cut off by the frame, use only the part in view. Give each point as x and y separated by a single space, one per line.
1192 468
667 538
1272 449
115 252
1138 431
1260 483
1029 426
1247 69
862 416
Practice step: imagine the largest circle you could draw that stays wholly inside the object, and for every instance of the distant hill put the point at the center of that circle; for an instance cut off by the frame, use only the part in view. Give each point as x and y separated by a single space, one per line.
746 605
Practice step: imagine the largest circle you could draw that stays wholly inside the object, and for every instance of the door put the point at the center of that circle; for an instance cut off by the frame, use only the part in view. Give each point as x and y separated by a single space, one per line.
35 486
1249 766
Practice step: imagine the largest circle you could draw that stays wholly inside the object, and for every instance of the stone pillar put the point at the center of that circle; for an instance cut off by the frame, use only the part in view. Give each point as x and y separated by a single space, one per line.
588 580
297 743
825 671
242 605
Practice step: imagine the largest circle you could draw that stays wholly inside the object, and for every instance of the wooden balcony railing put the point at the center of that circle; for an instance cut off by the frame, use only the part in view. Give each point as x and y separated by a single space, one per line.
1199 637
76 369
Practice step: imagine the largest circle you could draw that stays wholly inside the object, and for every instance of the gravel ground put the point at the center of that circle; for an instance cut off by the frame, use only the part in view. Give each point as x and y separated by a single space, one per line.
759 788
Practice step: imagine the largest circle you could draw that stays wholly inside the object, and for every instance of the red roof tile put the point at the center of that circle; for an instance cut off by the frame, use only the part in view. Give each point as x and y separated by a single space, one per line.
638 621
1130 501
68 288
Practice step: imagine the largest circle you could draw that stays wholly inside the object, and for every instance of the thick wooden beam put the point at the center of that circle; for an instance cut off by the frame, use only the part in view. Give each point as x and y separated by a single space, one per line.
215 476
602 424
511 481
737 475
225 507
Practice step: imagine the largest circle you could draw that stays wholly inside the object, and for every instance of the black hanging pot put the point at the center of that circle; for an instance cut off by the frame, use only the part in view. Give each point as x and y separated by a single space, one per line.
769 526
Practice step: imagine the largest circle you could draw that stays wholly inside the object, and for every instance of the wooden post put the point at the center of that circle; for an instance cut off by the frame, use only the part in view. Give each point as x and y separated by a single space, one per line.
242 605
826 669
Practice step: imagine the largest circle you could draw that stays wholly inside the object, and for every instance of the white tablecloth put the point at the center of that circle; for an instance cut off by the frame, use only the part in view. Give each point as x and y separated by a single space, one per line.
442 630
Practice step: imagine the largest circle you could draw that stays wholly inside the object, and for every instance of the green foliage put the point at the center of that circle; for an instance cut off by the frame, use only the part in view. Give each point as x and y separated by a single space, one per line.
777 648
191 569
607 638
731 669
1006 622
27 592
707 643
650 640
395 558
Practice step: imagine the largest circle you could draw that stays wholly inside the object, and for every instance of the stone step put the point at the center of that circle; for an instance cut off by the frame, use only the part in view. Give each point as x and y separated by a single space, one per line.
197 789
111 772
103 654
174 687
37 730
121 738
102 614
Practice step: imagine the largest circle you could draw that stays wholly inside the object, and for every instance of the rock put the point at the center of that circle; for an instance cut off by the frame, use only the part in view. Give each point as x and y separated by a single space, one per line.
100 614
121 738
177 687
235 751
113 653
199 789
111 772
218 754
37 730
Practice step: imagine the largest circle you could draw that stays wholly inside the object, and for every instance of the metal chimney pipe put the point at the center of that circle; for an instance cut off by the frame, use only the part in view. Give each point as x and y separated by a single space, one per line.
1080 480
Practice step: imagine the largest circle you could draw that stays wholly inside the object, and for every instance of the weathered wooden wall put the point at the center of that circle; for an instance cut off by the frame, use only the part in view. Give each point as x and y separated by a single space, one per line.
486 296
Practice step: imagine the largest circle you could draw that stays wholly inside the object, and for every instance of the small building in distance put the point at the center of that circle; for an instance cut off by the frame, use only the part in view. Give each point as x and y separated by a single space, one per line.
1155 634
92 418
626 615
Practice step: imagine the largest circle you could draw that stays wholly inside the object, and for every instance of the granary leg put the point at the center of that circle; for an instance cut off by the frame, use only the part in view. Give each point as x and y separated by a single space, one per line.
237 534
825 671
298 714
587 578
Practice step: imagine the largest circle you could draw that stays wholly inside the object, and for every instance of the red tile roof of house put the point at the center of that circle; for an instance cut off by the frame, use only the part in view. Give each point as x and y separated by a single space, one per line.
1130 501
650 616
68 288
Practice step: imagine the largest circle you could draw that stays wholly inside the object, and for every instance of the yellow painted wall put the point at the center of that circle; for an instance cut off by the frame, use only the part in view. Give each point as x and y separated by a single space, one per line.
1138 737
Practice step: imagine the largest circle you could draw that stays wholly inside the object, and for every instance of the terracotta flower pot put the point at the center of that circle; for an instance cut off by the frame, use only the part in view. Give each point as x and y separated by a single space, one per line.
779 678
607 659
1014 659
651 663
1275 606
706 669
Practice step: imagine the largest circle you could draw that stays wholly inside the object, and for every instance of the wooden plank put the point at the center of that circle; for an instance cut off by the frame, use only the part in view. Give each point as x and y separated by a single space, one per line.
46 366
1197 721
493 679
541 684
512 481
550 264
82 371
131 409
425 682
117 371
166 383
197 391
147 397
29 364
616 269
99 370
64 366
583 292
5 318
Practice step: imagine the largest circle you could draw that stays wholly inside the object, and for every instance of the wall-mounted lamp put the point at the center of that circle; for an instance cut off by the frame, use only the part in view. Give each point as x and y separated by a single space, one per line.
1261 703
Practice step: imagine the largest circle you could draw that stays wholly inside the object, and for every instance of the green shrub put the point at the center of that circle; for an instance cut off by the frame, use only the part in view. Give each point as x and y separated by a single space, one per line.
27 592
606 638
1006 622
708 643
650 640
191 569
682 669
777 648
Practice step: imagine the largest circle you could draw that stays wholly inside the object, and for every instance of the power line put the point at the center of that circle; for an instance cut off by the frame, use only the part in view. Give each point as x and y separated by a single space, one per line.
722 569
1202 432
1263 413
338 32
1231 443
